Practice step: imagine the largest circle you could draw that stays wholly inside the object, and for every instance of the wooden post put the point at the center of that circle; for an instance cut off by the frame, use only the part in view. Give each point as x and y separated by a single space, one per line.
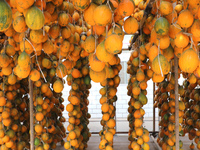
115 117
154 111
176 102
31 114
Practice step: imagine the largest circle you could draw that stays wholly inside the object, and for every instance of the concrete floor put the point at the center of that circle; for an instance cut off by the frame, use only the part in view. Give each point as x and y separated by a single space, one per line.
121 140
121 143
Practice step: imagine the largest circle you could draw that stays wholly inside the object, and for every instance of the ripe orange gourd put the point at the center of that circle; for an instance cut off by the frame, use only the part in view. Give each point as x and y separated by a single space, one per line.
61 71
89 45
99 1
161 26
131 25
7 70
160 65
12 79
19 24
34 75
54 31
185 18
57 2
102 54
102 15
10 50
195 28
113 44
24 60
89 14
24 4
4 60
185 60
97 76
34 18
66 32
26 46
118 31
38 128
22 72
173 30
37 36
75 73
58 86
98 30
95 63
63 19
153 52
39 116
81 5
181 40
48 47
126 8
5 16
165 8
163 42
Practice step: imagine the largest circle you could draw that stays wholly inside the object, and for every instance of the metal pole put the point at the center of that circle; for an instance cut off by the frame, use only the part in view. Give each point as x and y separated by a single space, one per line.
31 114
154 110
176 102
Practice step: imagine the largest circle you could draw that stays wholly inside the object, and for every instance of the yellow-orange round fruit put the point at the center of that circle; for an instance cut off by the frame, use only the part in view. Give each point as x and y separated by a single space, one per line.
89 45
181 40
113 44
126 8
38 128
89 14
34 75
34 18
24 4
131 25
102 54
160 65
95 63
19 24
39 116
188 61
37 37
163 42
185 18
5 16
166 8
58 86
63 19
195 29
24 60
102 15
22 72
81 5
97 76
161 26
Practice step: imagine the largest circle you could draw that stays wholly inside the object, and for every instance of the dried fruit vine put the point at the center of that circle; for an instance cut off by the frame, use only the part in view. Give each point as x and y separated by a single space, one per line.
39 39
102 44
165 34
46 40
